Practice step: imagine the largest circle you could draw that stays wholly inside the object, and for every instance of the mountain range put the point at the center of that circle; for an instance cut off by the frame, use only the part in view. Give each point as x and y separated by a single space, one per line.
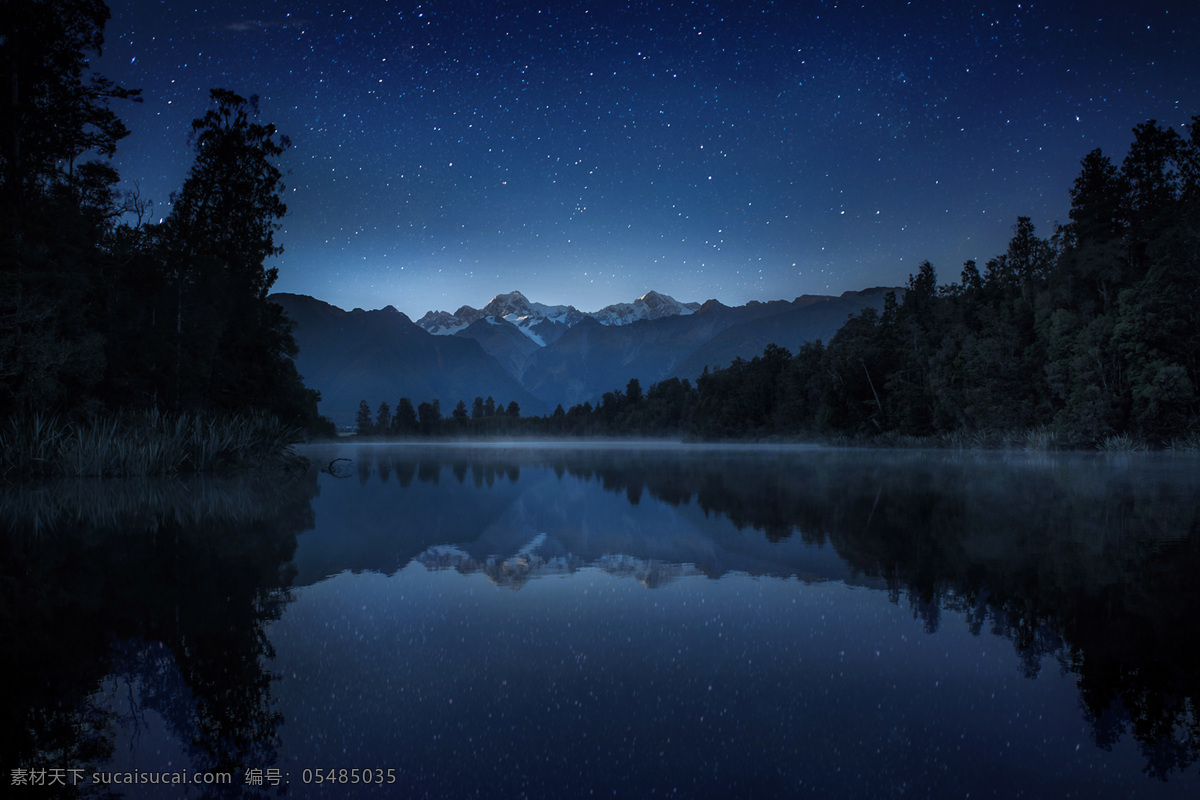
543 324
538 355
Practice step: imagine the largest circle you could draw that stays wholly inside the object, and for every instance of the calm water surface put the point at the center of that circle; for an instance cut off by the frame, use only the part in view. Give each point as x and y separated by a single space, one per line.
562 621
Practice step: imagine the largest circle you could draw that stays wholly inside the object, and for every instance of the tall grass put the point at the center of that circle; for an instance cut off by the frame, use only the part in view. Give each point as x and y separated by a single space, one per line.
1184 444
140 443
1123 443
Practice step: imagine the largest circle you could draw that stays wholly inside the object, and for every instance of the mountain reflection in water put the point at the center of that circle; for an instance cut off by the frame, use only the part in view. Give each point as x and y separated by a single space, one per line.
160 587
243 619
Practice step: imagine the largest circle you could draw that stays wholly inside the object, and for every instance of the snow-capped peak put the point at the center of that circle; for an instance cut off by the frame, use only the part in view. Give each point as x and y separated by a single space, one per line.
517 309
651 305
543 323
511 304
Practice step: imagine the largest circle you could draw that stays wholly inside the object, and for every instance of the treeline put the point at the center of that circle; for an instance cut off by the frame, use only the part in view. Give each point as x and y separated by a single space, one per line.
1088 338
1091 336
102 308
426 419
665 410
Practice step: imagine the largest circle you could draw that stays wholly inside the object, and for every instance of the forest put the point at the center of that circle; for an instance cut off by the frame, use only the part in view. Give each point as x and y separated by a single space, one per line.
1089 338
117 328
113 327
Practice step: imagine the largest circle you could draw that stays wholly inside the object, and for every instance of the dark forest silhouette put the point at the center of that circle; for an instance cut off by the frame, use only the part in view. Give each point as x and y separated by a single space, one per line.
100 309
1087 338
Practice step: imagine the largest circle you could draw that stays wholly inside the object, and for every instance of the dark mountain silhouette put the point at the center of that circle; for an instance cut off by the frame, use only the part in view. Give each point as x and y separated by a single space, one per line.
591 359
811 318
503 341
381 356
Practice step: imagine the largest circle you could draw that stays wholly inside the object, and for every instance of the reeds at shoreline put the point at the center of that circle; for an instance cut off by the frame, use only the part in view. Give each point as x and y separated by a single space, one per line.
140 444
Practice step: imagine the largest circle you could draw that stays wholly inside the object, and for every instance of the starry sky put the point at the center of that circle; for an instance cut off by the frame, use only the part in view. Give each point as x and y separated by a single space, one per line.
587 152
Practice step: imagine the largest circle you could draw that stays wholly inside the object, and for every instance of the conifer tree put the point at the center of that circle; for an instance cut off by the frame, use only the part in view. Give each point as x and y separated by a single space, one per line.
362 420
232 347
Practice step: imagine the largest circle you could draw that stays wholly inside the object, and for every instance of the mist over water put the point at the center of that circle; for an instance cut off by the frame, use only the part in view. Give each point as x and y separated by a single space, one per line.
544 620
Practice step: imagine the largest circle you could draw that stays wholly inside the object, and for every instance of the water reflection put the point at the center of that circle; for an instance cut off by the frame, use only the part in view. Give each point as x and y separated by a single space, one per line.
1080 561
536 621
135 606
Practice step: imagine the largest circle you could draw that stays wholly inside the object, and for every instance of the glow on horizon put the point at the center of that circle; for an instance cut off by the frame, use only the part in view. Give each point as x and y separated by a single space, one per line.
583 156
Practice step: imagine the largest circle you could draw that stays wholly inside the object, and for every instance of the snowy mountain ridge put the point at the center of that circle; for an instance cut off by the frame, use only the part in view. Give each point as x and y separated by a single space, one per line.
543 323
541 356
651 305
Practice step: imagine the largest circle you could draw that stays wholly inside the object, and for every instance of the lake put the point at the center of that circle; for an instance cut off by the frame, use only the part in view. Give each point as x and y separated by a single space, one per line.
610 619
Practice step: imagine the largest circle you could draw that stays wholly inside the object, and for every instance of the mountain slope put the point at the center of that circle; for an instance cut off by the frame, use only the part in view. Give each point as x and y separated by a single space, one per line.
651 305
381 356
543 324
503 341
538 355
591 358
810 319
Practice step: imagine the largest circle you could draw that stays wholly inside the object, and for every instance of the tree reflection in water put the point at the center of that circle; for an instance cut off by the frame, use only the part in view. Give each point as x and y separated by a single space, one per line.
1071 557
159 589
162 592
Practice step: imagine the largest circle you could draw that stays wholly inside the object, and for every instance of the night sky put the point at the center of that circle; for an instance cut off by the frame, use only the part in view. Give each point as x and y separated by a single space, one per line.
587 152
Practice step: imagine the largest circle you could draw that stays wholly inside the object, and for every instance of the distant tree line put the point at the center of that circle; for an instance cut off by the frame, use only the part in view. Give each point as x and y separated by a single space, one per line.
1090 337
426 419
101 307
1091 334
